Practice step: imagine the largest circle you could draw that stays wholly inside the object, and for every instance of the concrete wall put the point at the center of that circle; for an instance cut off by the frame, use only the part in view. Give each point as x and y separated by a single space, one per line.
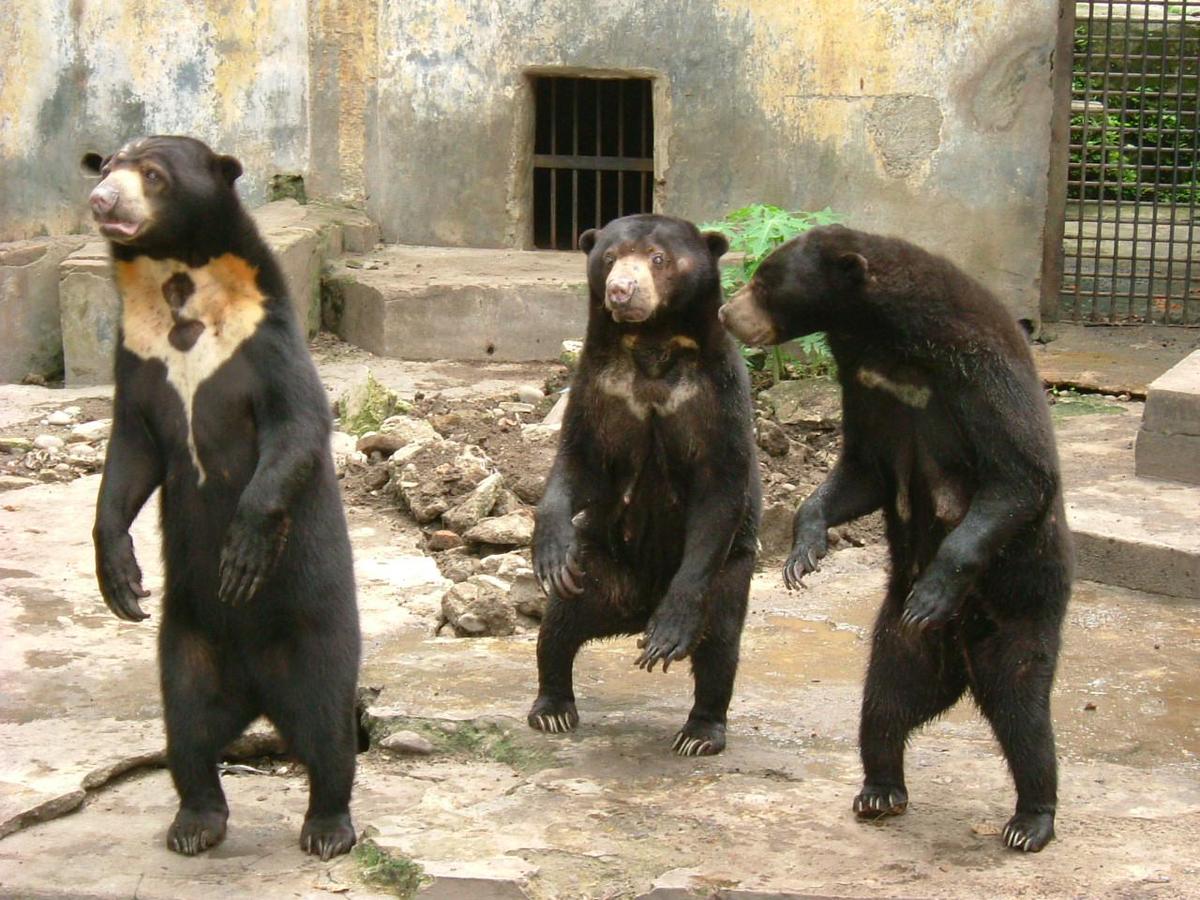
928 118
90 74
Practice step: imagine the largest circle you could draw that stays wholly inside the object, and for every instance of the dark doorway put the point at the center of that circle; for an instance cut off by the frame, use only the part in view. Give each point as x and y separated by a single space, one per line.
1130 249
593 155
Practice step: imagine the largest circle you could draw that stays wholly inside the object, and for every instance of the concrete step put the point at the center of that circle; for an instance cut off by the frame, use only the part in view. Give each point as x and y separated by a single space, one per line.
1129 531
1168 443
29 317
303 237
425 303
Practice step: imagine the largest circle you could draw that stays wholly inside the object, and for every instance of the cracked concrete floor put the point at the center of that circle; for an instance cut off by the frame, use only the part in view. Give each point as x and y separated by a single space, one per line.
607 811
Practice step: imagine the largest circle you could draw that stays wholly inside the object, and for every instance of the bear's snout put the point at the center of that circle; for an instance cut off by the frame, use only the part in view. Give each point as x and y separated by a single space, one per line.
103 199
620 291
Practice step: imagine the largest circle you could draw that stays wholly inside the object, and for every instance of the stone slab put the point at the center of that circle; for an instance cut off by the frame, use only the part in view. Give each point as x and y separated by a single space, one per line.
1134 532
1172 457
425 303
29 314
303 238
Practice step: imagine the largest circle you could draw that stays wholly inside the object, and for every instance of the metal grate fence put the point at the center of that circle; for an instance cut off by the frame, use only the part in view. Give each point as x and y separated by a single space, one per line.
593 155
1130 250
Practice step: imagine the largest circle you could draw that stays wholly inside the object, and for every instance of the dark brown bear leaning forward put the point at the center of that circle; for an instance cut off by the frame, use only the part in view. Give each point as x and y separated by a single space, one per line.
945 426
650 517
219 406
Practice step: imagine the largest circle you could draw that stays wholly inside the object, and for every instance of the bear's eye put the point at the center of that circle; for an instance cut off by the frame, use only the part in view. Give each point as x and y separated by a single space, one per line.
658 259
152 176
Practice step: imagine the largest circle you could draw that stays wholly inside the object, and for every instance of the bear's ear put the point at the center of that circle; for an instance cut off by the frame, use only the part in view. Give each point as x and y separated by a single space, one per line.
854 265
718 244
587 240
229 167
91 164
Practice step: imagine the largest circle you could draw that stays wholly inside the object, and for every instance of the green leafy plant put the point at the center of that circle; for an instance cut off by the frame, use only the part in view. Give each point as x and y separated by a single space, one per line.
754 231
397 874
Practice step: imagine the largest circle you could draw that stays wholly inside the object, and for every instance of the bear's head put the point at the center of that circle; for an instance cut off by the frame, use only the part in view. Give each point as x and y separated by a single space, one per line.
645 267
162 192
809 284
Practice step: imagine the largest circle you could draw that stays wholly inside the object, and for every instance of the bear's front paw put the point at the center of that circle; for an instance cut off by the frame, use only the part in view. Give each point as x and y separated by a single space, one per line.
671 635
809 547
252 547
120 578
556 560
931 603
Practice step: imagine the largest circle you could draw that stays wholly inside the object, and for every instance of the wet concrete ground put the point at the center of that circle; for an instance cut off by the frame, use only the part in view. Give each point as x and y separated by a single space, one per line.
500 811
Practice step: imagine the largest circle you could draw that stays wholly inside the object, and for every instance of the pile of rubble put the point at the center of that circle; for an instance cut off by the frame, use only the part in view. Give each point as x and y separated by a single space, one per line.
64 447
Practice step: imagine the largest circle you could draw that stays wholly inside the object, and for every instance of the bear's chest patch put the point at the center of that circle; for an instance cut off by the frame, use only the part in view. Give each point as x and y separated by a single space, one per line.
659 378
193 320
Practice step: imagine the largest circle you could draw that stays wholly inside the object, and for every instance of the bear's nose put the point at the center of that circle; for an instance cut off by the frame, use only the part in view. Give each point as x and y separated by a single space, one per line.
103 199
621 290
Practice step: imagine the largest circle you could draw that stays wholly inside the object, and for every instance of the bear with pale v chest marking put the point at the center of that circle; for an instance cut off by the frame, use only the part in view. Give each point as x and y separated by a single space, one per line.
218 405
946 428
650 516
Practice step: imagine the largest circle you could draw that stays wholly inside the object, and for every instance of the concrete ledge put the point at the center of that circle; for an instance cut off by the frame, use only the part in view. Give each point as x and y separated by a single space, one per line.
1173 457
303 239
443 303
29 314
1133 532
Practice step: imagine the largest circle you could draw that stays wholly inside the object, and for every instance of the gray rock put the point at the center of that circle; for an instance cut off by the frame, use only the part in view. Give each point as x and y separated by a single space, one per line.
530 488
513 530
366 405
396 432
554 418
530 393
15 445
526 597
431 477
811 402
507 502
48 442
407 743
443 540
457 564
505 565
478 607
775 530
476 506
772 438
95 430
59 417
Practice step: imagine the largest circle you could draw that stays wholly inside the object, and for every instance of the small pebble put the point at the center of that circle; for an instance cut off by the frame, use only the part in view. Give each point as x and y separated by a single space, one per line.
407 743
48 442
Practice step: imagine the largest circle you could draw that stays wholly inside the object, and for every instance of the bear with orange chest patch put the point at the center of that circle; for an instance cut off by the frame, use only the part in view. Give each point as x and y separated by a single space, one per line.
650 516
219 407
945 427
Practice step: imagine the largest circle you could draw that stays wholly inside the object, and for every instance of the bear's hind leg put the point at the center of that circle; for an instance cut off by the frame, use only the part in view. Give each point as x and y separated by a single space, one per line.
1012 672
202 715
308 692
715 659
911 678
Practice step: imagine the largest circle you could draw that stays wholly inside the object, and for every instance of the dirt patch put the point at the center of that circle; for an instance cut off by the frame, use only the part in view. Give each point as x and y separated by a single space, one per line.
26 457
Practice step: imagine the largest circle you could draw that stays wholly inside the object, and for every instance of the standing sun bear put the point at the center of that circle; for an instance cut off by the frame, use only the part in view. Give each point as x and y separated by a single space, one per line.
219 406
650 517
946 428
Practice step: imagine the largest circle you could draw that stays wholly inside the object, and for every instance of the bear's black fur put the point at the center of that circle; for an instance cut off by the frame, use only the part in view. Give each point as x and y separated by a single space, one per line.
650 515
946 427
218 404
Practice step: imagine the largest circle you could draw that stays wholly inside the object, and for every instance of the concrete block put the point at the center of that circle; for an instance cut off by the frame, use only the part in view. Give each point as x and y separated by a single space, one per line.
30 323
90 314
441 303
1175 457
1173 400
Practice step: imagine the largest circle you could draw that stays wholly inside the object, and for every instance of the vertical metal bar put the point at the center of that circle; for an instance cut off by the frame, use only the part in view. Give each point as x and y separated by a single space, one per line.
553 172
643 200
575 172
1119 194
1081 190
599 152
1103 171
1053 251
1178 80
622 139
1138 231
1186 317
1162 72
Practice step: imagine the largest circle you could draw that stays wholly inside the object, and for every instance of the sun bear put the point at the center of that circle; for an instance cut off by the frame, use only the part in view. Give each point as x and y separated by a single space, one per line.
650 517
946 428
218 405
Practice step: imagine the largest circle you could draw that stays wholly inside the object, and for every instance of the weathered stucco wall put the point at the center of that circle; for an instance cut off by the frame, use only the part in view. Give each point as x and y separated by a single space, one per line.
926 118
90 74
